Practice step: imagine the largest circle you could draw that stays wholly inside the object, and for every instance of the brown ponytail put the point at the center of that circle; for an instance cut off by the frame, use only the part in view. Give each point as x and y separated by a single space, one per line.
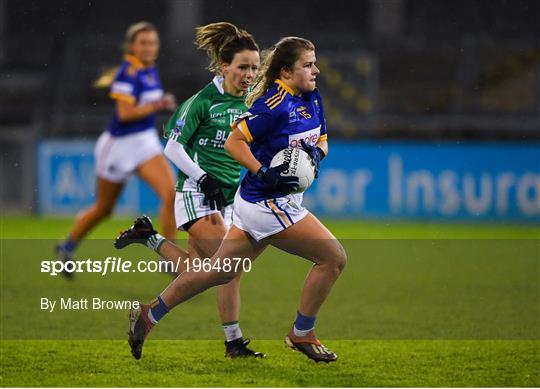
282 55
222 41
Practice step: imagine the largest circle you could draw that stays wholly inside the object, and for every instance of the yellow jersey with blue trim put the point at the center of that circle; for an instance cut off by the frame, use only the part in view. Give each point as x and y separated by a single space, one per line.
135 84
277 120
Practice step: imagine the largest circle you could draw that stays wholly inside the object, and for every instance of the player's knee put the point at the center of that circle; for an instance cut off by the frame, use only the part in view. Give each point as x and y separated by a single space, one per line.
223 277
341 258
337 260
103 211
229 276
167 196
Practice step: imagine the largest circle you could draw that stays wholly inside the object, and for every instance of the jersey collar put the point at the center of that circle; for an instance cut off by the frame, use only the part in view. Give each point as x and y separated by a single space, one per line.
285 86
218 82
134 61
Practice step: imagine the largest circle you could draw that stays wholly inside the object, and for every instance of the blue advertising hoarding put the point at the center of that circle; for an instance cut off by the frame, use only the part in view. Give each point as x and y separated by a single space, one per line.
465 182
470 181
66 181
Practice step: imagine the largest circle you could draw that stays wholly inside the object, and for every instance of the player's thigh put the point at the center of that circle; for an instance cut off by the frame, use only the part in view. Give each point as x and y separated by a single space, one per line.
310 239
238 247
206 234
157 173
107 193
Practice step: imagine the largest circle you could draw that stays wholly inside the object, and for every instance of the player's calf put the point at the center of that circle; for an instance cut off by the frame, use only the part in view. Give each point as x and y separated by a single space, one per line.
139 327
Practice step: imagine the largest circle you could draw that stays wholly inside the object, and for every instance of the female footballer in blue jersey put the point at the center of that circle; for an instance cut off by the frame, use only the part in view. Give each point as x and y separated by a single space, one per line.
287 111
131 144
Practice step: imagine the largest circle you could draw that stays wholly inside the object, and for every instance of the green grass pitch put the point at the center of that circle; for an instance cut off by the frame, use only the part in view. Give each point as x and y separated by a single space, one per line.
419 304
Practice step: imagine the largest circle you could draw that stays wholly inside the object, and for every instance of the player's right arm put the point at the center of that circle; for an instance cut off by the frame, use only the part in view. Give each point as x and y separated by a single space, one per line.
256 124
180 129
124 90
238 147
128 112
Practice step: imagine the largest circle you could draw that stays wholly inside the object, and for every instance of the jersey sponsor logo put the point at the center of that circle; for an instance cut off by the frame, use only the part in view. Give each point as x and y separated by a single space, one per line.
232 112
310 137
246 114
150 96
124 88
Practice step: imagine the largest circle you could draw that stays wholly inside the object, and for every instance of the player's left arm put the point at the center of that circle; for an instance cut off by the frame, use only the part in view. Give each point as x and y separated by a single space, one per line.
322 142
319 150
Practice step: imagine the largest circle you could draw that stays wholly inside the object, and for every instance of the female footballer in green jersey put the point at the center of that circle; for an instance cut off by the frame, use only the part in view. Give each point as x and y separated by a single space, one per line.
208 177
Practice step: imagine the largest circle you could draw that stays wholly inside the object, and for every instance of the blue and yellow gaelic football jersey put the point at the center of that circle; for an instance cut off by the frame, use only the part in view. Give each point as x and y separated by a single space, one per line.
137 85
278 120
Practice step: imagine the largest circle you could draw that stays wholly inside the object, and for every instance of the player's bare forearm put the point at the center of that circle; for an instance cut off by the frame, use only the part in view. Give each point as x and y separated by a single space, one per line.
128 112
323 144
238 147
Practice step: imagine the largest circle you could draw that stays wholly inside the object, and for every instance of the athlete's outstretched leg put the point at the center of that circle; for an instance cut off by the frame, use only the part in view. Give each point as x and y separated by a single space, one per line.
205 237
157 173
237 243
107 194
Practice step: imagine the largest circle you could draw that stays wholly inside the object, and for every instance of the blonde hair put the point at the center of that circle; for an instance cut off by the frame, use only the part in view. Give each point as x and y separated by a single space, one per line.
132 32
106 78
282 55
222 41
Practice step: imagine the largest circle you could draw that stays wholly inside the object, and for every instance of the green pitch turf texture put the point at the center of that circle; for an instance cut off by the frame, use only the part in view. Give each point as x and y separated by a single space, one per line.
418 305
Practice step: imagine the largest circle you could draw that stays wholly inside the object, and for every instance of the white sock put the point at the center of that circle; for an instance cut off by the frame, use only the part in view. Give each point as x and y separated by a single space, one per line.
155 241
298 332
232 331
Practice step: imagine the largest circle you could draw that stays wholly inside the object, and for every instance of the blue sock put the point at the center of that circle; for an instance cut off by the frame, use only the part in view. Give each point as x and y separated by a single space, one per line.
69 244
158 310
303 324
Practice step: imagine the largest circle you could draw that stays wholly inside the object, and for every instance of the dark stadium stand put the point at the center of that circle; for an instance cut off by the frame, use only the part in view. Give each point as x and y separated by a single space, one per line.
466 68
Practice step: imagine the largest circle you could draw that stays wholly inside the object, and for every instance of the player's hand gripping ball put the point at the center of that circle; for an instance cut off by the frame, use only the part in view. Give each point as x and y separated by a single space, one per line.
300 166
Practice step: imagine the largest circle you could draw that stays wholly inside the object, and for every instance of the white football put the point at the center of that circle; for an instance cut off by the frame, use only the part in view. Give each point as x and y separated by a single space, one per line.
299 166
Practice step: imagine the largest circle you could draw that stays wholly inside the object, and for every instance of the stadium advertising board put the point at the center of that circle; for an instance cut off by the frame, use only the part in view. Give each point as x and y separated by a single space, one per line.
448 181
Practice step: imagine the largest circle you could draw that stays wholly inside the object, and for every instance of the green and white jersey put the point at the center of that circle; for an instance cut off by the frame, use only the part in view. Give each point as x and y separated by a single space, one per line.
202 124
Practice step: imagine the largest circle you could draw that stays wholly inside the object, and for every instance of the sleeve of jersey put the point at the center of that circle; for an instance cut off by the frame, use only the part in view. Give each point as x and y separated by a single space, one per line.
256 122
185 121
322 119
124 86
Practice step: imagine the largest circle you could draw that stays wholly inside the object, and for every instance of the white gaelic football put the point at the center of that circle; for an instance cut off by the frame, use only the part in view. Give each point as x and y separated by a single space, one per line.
299 166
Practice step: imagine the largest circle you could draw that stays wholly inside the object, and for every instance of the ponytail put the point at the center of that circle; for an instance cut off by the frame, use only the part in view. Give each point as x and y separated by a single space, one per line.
222 41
